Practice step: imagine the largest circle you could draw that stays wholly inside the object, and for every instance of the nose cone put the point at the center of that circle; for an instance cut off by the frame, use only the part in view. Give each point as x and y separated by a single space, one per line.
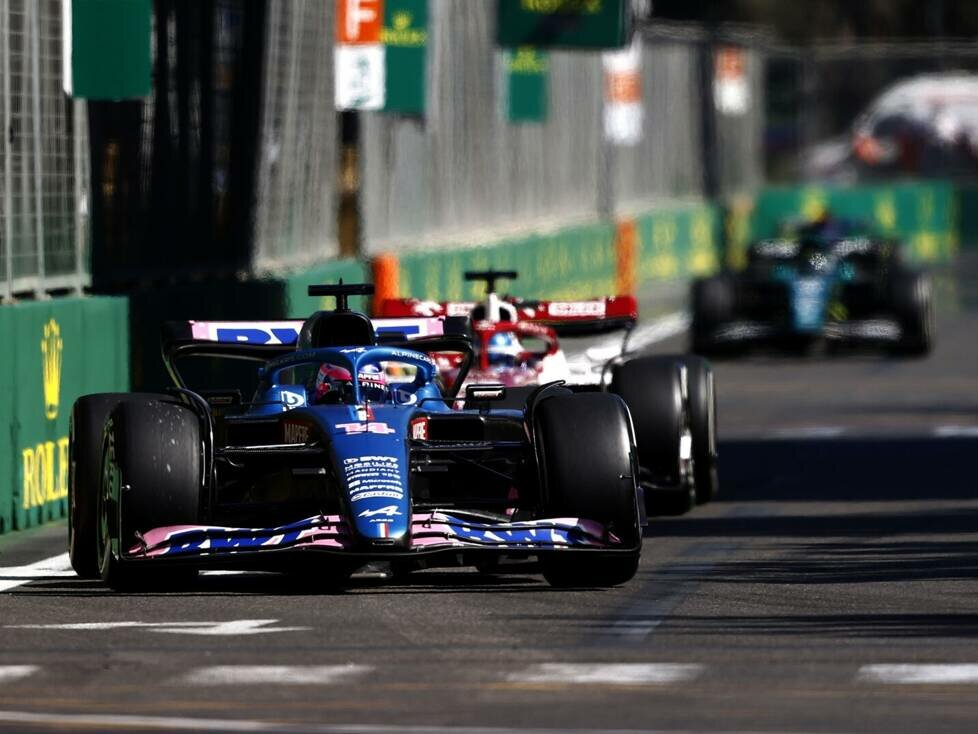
808 298
372 460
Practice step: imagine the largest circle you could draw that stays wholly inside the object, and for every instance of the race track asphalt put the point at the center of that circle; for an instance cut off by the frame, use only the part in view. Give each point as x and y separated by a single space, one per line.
833 588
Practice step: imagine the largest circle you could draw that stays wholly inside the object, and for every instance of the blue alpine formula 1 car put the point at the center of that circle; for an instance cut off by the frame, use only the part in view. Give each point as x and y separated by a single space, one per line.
828 282
349 452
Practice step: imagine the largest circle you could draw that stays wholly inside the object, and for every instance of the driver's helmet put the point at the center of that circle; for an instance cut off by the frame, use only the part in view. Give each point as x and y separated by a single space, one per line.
332 383
373 385
503 349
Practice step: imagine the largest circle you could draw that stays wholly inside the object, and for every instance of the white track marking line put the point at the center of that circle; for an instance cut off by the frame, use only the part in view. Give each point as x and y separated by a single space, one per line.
167 723
912 674
54 567
232 627
16 672
235 675
626 674
956 431
172 723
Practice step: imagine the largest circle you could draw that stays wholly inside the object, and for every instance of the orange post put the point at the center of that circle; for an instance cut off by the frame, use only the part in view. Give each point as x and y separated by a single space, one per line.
625 257
386 272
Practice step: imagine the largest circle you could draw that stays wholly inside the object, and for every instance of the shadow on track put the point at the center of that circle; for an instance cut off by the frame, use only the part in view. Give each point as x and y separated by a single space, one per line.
832 514
911 521
849 469
463 580
832 625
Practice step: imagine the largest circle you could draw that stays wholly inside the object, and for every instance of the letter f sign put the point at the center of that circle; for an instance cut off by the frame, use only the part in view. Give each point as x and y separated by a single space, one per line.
359 20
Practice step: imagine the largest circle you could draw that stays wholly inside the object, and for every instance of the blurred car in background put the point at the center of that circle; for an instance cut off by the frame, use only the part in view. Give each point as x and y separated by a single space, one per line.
923 126
830 281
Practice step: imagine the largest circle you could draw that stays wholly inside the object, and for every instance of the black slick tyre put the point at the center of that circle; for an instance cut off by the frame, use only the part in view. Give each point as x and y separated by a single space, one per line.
651 388
703 427
151 477
585 448
913 304
712 302
84 476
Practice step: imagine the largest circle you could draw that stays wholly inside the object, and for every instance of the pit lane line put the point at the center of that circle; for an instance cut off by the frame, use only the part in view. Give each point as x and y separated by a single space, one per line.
657 330
670 586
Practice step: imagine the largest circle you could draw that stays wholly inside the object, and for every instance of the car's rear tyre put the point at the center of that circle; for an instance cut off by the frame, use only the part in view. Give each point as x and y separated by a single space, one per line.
713 306
586 451
703 427
912 302
651 388
151 477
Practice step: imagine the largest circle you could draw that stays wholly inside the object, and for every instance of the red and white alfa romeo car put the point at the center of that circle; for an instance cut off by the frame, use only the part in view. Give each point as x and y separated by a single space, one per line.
671 398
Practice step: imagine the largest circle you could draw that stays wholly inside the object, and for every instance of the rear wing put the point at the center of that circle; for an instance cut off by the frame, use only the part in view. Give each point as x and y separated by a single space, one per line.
261 341
589 316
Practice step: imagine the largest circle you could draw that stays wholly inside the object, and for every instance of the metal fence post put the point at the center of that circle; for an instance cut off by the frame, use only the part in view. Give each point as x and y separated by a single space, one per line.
38 166
606 181
708 119
78 113
8 225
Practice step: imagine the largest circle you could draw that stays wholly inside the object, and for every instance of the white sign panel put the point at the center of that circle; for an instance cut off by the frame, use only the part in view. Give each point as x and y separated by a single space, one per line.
730 91
66 78
623 95
360 77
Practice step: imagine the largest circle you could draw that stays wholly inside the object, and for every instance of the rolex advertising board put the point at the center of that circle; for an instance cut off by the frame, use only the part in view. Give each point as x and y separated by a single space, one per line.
55 351
405 39
584 24
527 71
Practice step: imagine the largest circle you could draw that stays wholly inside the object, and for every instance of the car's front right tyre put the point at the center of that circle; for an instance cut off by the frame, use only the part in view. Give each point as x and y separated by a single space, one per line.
150 478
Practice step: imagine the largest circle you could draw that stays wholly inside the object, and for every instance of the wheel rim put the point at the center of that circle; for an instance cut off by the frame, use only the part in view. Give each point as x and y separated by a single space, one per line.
72 496
109 483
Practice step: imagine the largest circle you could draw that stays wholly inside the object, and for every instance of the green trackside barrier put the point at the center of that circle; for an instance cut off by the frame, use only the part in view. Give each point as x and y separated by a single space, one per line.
924 215
55 352
968 214
572 262
298 302
678 242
